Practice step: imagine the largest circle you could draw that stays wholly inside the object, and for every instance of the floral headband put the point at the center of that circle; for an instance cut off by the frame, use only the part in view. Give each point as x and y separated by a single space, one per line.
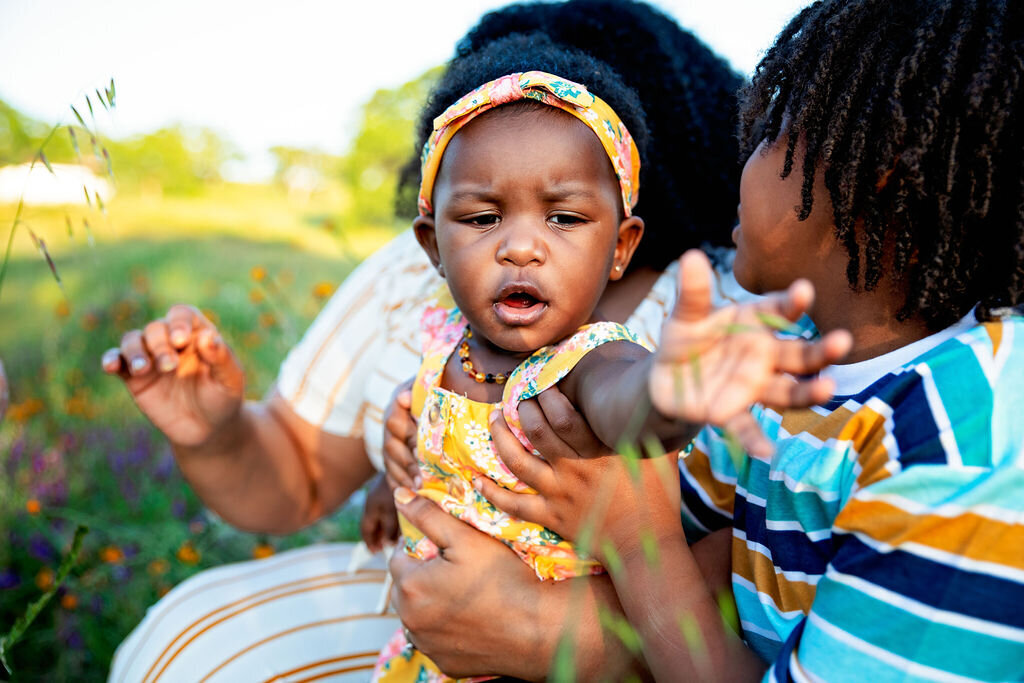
548 89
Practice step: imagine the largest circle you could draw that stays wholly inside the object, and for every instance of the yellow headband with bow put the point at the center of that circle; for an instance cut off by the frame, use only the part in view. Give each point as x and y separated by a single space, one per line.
548 89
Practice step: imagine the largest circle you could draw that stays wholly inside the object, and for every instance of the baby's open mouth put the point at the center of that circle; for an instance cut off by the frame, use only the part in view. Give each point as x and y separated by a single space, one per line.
519 304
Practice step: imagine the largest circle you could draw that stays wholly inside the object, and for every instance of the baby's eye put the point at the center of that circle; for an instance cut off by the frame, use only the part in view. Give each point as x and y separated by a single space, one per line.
483 220
566 220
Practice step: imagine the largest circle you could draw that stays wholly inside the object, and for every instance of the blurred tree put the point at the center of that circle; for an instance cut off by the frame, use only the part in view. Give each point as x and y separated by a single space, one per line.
175 160
21 137
382 146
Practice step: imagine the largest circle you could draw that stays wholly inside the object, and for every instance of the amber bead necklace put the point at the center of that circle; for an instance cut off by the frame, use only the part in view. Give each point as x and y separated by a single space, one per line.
467 364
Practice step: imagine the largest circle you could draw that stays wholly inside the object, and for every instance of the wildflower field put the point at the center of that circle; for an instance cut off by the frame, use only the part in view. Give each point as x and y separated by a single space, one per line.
74 450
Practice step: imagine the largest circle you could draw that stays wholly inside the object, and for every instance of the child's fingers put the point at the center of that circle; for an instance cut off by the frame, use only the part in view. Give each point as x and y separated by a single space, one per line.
791 304
800 357
525 506
224 368
694 302
786 392
530 469
369 530
134 353
157 340
389 526
394 464
568 426
748 433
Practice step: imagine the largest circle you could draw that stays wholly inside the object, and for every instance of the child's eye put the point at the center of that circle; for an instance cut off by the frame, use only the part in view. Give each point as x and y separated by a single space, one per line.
566 220
483 220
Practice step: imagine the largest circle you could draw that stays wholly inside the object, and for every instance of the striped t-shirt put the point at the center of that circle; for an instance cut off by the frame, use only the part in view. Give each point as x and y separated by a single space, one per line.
884 540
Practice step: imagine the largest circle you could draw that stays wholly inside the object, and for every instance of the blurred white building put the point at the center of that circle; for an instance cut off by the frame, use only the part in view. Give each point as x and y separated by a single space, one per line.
66 185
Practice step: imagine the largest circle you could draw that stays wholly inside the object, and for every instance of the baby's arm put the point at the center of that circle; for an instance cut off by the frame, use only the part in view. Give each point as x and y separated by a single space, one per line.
710 367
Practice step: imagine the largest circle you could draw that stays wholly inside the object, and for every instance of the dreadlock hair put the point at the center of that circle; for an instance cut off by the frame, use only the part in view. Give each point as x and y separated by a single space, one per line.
912 110
534 52
689 180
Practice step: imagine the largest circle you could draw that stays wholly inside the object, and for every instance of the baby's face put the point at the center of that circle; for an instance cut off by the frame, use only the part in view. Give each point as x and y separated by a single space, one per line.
529 226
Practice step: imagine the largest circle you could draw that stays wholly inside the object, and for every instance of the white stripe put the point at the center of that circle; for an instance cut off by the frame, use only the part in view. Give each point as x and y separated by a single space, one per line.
927 612
802 487
754 546
795 525
947 510
765 599
749 627
692 517
948 559
704 496
797 671
905 665
946 436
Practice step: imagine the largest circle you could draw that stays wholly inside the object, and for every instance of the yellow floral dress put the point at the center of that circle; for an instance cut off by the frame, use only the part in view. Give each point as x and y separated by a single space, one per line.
454 444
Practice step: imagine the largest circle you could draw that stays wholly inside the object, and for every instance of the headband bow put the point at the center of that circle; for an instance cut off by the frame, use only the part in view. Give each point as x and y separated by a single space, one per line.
548 89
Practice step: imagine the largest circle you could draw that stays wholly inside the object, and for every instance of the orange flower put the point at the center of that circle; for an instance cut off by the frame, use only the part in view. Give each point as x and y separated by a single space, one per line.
267 319
251 340
163 590
187 554
63 309
32 506
20 412
140 283
111 554
322 290
158 567
262 551
258 273
90 321
68 601
211 315
44 578
256 296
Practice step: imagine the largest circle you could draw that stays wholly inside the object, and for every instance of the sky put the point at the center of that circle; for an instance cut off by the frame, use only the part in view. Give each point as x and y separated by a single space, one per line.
266 72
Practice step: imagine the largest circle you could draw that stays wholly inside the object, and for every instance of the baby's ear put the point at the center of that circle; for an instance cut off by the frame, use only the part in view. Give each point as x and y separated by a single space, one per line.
630 232
423 227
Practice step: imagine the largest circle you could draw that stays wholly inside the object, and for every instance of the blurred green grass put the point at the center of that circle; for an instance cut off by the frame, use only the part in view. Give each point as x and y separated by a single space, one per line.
75 450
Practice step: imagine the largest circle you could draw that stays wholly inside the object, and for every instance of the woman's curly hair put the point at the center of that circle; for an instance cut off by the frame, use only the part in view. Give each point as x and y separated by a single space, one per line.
913 112
689 180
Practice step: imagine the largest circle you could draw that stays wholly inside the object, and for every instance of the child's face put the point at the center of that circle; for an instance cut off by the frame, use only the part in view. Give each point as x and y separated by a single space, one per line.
773 247
528 226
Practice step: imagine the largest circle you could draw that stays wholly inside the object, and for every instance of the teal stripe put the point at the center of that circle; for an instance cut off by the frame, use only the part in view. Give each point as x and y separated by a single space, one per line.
765 617
1008 396
947 648
934 485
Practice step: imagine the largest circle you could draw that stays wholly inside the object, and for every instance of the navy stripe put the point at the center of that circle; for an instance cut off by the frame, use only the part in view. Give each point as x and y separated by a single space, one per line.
914 428
782 673
711 519
790 550
965 592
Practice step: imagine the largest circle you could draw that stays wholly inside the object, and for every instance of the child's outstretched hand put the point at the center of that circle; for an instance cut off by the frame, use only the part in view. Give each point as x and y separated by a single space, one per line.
181 374
712 365
379 525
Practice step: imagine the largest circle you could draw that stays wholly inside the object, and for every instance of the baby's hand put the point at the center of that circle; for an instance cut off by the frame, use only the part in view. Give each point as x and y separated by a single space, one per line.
379 526
711 366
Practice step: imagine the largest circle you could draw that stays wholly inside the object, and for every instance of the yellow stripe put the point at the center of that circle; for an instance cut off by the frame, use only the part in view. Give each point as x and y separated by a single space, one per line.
722 495
967 535
865 430
821 427
788 596
995 333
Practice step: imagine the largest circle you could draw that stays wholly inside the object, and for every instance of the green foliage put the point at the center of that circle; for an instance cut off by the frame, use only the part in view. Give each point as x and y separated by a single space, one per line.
175 160
383 145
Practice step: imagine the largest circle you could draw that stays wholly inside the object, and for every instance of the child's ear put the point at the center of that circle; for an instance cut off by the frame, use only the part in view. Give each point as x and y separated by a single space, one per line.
630 232
423 227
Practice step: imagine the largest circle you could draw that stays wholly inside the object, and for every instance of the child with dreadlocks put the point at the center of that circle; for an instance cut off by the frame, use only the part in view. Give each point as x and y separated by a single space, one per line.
884 538
528 185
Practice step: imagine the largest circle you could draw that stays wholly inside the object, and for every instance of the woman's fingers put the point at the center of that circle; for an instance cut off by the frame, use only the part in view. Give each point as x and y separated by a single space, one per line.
113 364
525 506
569 428
530 469
157 340
436 524
398 474
134 353
181 319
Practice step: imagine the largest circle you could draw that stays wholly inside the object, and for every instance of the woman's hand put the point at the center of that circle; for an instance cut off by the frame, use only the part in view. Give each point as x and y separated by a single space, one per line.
585 492
379 524
449 603
400 466
181 374
712 365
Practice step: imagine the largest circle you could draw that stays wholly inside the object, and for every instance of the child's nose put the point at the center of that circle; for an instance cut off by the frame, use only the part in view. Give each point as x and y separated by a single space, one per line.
521 246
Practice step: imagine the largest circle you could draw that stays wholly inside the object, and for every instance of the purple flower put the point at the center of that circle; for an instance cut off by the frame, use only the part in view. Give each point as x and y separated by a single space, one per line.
9 579
178 508
40 548
121 573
